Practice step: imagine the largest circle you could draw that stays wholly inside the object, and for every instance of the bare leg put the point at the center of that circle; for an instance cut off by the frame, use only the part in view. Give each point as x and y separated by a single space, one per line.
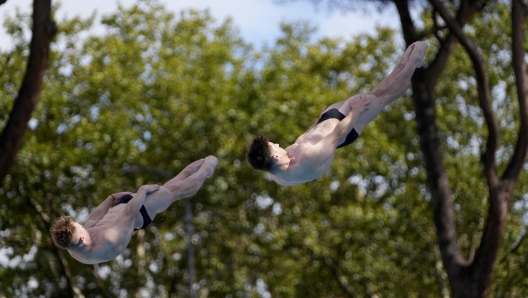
395 85
388 82
188 171
392 88
176 189
399 66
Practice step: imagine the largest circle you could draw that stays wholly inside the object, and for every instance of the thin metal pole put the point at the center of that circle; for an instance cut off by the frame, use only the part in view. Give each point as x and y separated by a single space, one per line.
190 247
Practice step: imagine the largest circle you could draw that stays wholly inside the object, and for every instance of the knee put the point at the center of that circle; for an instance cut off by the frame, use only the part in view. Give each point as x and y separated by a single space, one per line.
189 190
164 191
379 91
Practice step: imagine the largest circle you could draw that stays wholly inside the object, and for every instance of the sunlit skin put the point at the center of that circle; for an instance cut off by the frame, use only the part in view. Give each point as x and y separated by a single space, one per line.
108 230
313 152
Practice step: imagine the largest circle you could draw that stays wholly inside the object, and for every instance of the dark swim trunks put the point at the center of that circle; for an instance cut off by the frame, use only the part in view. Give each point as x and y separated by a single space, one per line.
146 218
335 114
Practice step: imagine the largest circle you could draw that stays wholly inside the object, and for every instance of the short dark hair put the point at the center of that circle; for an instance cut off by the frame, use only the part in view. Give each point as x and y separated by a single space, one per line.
62 232
259 154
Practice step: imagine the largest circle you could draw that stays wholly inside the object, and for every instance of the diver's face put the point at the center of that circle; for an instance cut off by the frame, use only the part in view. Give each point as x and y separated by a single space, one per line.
277 152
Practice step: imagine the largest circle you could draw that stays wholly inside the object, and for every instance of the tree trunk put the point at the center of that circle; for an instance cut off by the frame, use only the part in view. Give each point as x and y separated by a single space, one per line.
468 278
11 139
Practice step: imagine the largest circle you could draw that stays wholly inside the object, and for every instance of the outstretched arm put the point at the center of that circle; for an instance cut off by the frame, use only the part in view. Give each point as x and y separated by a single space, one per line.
101 210
118 235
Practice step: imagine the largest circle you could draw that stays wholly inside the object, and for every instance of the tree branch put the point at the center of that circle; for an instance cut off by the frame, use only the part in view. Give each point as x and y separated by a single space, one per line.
189 226
141 169
410 35
40 211
514 249
436 66
434 30
500 192
483 90
512 172
409 30
424 34
524 8
345 285
100 282
11 139
423 83
64 267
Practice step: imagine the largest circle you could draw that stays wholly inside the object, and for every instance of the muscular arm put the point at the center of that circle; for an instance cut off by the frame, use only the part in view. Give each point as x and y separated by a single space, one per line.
135 204
102 209
99 212
342 129
113 240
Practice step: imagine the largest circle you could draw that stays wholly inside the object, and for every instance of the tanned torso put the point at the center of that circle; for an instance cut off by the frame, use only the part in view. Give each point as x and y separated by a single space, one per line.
108 230
302 172
108 240
311 156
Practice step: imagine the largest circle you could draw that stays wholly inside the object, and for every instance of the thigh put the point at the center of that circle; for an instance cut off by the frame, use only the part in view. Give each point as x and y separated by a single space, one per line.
337 105
377 104
344 107
158 201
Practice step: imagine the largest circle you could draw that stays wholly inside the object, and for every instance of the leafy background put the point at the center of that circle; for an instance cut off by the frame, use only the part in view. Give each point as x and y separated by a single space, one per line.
161 90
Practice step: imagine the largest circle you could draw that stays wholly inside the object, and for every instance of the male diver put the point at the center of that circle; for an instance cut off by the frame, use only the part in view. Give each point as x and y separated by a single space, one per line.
339 125
107 231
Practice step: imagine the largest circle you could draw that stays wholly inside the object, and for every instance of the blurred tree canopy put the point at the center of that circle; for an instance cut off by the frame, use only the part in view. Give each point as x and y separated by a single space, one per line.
162 90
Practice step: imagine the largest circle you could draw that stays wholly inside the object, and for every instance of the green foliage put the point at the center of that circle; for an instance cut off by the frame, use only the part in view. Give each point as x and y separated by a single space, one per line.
162 90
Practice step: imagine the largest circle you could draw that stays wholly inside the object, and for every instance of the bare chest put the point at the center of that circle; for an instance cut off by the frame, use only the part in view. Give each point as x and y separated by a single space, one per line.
106 246
312 136
302 170
112 216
